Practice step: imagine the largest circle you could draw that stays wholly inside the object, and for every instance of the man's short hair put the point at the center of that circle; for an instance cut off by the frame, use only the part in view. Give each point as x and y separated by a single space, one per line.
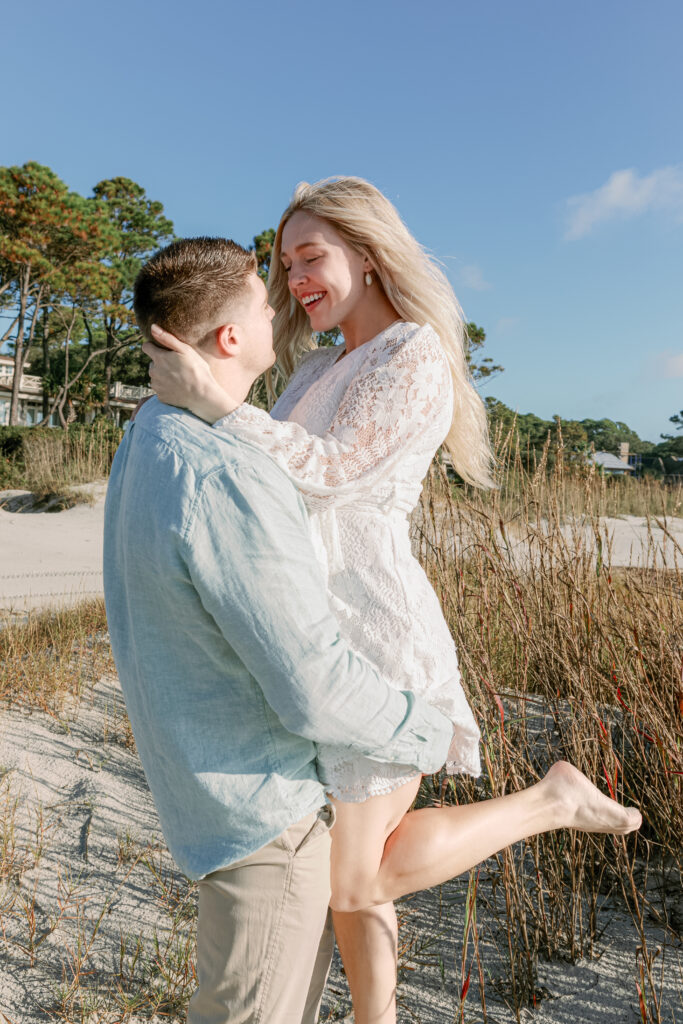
186 287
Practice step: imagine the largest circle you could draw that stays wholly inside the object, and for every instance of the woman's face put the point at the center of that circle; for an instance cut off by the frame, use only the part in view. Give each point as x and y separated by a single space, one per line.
324 274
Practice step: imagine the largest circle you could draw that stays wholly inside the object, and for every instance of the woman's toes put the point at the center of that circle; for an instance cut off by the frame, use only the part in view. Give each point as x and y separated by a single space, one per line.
582 806
635 818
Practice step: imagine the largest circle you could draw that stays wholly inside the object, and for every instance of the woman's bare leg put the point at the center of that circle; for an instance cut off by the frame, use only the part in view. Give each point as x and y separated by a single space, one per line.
431 845
367 941
367 938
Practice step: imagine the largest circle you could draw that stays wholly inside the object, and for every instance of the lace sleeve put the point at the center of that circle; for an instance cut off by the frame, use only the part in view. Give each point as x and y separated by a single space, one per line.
403 391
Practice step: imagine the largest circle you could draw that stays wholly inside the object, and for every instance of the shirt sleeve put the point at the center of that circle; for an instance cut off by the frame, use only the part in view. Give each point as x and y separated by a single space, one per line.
251 560
404 391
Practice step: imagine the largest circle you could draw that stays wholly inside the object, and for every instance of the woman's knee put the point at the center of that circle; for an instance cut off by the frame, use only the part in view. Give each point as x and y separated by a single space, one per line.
350 894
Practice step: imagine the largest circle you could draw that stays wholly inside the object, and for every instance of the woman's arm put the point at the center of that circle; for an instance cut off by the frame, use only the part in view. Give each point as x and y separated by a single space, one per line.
404 391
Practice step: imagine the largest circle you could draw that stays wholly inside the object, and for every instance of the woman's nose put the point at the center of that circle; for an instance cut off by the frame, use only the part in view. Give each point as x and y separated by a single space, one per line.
296 276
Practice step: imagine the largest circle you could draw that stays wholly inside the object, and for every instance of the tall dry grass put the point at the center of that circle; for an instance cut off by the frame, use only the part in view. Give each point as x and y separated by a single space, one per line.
53 656
50 461
56 460
566 657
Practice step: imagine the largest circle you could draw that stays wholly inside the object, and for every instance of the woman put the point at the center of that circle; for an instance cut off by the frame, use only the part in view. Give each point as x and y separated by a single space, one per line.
356 430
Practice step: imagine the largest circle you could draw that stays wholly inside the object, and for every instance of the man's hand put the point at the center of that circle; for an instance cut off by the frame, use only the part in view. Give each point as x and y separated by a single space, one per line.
181 377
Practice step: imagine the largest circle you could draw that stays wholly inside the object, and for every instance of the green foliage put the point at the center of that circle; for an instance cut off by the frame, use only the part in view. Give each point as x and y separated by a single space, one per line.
485 367
263 247
50 235
577 438
139 229
12 464
606 436
68 266
667 458
53 249
677 419
11 440
328 338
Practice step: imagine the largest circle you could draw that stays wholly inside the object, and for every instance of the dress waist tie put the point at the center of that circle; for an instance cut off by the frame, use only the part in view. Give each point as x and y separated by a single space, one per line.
325 525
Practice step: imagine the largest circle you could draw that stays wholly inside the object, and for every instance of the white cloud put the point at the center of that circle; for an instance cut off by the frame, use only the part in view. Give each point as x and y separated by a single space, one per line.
667 365
625 195
673 364
471 276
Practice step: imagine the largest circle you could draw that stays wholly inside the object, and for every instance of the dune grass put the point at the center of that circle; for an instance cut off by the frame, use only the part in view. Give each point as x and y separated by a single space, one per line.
53 461
564 656
53 656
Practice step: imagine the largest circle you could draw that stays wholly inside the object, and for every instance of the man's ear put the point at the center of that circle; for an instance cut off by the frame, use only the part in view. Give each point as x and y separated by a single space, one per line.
227 340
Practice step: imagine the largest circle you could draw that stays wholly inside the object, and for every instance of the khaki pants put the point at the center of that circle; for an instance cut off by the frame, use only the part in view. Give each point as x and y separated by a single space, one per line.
264 937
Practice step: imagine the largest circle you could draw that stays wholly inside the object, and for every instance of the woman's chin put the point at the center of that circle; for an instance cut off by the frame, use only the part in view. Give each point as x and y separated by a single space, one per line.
320 324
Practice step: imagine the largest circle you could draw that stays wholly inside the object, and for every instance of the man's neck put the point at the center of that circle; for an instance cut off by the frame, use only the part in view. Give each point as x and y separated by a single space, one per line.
232 379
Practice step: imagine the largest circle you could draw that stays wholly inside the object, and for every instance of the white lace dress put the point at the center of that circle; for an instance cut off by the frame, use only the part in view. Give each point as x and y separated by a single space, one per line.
356 435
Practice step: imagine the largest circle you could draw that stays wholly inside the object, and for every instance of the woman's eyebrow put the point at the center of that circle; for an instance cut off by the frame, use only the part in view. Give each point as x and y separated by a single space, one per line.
302 245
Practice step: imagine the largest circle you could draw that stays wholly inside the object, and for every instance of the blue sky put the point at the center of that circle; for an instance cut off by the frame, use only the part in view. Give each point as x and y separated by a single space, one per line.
536 148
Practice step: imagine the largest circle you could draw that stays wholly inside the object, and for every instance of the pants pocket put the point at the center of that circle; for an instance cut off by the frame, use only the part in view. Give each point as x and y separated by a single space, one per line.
322 824
302 832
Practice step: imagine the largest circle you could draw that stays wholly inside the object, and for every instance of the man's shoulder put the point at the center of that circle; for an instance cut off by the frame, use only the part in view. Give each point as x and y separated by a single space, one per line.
204 451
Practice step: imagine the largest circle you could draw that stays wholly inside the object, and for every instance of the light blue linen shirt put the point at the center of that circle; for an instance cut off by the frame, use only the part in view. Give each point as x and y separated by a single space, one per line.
230 660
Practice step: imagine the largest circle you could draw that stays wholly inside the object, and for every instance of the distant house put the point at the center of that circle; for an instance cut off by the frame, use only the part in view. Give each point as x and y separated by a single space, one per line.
30 394
122 397
613 465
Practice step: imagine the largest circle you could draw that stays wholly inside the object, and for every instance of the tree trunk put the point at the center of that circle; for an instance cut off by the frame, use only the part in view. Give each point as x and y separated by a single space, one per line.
46 360
19 357
108 358
59 400
67 383
9 330
86 324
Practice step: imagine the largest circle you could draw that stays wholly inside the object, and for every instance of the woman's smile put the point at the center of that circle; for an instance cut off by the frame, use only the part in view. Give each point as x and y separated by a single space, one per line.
309 300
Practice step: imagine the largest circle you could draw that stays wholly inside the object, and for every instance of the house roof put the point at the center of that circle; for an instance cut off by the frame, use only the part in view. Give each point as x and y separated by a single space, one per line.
609 461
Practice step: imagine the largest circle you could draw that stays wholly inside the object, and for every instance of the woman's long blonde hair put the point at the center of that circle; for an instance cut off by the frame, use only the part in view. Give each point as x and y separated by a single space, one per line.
414 284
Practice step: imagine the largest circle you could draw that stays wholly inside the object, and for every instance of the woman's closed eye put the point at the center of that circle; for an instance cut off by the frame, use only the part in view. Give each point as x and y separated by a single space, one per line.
310 259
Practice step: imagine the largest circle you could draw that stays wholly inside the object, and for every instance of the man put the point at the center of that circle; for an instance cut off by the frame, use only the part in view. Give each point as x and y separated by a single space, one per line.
230 661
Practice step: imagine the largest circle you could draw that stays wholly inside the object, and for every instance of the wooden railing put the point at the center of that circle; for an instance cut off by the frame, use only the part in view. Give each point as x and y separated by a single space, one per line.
129 392
28 381
34 385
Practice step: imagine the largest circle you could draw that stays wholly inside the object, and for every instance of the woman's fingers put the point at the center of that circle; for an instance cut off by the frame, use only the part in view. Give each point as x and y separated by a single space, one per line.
180 376
166 339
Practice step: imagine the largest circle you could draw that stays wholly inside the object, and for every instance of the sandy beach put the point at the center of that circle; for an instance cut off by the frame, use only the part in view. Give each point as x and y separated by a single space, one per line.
96 870
79 785
50 558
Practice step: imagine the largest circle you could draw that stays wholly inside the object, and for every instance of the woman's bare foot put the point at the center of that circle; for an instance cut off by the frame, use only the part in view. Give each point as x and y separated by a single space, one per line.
582 806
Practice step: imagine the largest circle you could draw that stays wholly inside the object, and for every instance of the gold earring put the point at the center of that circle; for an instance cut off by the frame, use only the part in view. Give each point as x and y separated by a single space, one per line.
368 278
